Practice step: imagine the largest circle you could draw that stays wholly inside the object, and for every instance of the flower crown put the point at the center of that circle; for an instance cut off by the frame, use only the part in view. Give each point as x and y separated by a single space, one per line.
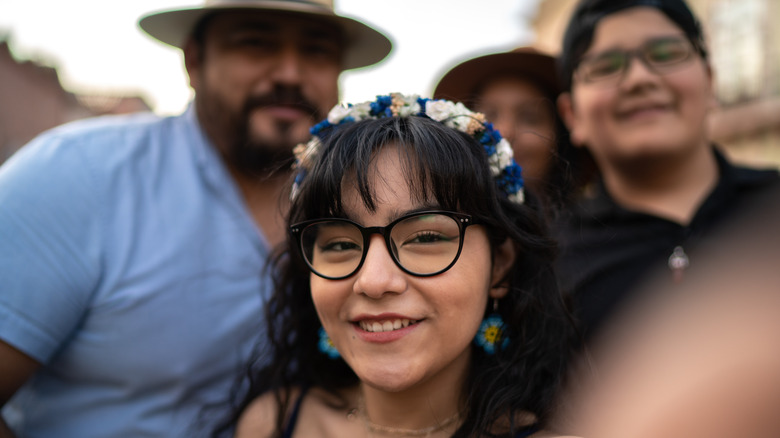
505 170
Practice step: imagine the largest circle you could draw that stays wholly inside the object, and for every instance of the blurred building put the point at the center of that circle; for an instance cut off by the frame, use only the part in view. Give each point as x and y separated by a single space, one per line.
744 45
32 100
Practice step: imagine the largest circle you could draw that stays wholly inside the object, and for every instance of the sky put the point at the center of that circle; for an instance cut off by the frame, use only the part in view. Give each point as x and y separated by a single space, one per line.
98 48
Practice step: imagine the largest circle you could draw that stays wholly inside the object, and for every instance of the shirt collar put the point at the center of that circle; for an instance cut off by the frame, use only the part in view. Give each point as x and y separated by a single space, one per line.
731 179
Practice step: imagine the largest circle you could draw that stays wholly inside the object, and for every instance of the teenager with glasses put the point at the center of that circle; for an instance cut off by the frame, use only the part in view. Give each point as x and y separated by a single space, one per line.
415 295
638 90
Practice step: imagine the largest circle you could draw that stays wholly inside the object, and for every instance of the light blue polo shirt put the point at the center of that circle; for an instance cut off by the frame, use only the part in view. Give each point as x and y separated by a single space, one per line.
132 270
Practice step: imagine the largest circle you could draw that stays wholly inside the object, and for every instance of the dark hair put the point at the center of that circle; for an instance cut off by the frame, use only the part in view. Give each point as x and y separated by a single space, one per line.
449 168
588 13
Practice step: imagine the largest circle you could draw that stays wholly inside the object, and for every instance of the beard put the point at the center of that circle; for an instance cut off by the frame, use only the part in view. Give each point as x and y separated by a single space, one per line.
263 151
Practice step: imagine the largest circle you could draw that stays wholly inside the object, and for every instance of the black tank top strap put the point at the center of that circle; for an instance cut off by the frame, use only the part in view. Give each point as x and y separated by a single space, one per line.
290 427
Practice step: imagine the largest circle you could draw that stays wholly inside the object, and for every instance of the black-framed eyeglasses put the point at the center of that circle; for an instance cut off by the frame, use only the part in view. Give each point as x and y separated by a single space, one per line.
661 55
423 243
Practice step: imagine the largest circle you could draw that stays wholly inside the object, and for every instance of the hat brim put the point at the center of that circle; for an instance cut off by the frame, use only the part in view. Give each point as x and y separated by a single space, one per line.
365 45
462 82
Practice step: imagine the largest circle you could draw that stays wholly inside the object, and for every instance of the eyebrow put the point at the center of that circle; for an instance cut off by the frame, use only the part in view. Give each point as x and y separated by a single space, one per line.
395 213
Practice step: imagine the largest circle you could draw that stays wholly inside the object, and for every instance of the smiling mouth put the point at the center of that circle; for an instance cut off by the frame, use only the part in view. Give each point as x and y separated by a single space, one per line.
386 326
639 111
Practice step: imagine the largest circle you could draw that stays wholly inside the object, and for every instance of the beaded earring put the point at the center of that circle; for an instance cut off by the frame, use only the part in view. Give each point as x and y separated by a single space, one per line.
326 345
490 336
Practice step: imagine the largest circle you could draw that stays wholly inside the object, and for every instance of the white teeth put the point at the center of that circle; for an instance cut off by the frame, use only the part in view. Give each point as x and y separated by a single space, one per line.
385 326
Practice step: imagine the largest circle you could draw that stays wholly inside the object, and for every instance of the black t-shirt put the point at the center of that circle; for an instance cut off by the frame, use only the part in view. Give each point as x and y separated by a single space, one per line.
606 250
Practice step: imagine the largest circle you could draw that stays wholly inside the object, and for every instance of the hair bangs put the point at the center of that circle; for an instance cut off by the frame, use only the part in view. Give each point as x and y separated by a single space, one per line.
437 174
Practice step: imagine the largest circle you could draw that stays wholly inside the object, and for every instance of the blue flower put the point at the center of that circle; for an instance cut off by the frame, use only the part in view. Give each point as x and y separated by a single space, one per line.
490 136
491 334
326 345
316 129
381 106
422 101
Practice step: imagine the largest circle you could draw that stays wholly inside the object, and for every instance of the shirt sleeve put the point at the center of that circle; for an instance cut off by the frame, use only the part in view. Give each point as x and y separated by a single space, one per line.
49 244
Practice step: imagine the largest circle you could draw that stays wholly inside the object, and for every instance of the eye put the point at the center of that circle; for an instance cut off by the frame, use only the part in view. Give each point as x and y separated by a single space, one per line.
321 48
338 246
604 65
490 113
531 115
428 237
332 237
667 51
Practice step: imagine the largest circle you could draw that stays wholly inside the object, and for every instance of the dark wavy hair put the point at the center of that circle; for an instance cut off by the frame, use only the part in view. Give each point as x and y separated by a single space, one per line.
447 168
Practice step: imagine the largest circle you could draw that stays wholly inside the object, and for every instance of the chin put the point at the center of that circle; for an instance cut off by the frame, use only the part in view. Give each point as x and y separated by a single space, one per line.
266 125
388 380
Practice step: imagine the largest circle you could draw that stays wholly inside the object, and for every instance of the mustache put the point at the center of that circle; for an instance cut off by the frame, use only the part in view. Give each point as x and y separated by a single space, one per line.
290 97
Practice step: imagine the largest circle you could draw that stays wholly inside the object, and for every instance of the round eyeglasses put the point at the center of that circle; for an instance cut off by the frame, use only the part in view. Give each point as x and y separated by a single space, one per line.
423 244
660 55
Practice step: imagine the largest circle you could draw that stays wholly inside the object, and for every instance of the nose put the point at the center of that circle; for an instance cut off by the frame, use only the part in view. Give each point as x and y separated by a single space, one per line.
638 72
506 127
289 65
379 274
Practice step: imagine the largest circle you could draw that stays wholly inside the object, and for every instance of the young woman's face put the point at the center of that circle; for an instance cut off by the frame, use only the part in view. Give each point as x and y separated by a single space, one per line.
443 311
641 113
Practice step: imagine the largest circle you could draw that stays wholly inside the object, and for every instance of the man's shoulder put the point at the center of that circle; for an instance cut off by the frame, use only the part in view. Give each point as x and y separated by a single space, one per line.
122 129
101 143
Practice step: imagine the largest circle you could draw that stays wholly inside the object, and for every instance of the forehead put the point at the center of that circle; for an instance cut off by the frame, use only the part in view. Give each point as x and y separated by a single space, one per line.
510 86
273 22
389 179
631 27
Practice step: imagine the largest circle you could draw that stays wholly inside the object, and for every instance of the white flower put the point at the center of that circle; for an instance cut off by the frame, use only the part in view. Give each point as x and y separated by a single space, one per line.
409 110
439 109
404 106
360 111
460 117
502 158
337 114
518 197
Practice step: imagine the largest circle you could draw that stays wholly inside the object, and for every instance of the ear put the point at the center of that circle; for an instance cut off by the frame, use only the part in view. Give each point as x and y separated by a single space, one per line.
503 261
193 62
566 111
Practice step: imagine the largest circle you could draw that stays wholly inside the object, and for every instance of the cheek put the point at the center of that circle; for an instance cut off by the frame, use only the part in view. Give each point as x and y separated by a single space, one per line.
589 110
595 104
468 290
695 92
321 86
327 296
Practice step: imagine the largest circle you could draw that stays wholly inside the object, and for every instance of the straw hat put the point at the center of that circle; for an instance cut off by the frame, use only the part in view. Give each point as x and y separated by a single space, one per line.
365 46
463 81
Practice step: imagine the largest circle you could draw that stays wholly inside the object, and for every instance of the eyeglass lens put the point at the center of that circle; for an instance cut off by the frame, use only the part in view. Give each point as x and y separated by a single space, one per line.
658 54
421 244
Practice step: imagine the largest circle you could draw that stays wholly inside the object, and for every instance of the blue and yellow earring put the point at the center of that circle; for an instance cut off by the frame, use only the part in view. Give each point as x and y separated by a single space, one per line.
326 345
490 336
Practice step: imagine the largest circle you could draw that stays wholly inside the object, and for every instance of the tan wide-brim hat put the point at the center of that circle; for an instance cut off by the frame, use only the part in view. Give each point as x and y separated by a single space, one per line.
462 83
365 46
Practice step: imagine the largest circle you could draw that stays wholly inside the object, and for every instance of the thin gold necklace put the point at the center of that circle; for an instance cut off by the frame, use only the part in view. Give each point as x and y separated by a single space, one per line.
387 430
